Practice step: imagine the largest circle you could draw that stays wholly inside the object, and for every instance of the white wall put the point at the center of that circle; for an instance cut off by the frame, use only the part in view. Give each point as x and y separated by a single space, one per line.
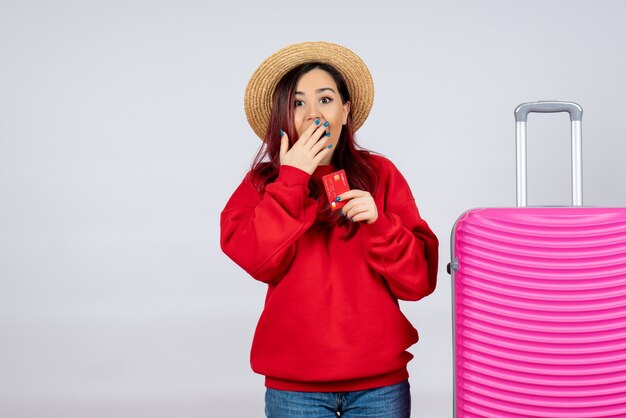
122 135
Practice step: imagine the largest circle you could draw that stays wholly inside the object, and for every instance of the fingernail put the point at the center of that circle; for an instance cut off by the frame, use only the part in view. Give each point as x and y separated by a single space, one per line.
281 133
351 219
327 133
317 122
338 198
326 123
330 146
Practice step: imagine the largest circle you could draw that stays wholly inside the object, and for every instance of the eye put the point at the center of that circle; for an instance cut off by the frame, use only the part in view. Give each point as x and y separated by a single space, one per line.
298 103
326 100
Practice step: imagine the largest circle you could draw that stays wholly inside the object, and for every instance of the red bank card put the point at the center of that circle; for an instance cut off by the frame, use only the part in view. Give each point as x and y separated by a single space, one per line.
335 184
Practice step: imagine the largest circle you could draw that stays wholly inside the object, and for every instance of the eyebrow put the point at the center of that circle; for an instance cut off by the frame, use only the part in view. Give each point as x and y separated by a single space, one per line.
323 89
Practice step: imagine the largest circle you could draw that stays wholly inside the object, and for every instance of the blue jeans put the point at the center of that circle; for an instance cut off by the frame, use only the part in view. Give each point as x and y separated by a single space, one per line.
392 401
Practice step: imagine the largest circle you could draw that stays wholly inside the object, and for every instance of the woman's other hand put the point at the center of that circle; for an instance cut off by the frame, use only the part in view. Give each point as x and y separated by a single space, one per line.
308 151
360 206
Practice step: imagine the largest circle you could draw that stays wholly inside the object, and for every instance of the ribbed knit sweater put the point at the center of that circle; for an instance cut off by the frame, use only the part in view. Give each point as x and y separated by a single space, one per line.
331 320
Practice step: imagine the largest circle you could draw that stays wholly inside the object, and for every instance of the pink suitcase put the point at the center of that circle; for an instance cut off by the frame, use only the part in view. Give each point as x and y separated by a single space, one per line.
539 302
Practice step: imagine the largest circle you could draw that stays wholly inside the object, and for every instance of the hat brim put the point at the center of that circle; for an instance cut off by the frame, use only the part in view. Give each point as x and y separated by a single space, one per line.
260 88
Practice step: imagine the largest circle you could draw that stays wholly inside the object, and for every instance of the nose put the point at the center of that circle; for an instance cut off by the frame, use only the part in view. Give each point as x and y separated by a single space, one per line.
313 113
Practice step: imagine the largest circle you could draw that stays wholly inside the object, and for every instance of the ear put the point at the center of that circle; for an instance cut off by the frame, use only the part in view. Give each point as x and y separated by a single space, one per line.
346 112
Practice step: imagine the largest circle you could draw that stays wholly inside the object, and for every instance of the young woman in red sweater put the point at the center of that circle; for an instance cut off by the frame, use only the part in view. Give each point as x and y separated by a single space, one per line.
331 339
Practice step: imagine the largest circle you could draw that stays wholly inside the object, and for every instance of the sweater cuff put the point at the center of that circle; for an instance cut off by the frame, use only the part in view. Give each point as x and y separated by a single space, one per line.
292 176
380 227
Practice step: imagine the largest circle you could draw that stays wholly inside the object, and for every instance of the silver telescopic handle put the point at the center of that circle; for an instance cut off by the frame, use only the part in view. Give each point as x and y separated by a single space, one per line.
575 116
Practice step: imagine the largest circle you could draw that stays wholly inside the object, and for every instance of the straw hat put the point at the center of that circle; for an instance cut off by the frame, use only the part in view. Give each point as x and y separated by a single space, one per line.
258 96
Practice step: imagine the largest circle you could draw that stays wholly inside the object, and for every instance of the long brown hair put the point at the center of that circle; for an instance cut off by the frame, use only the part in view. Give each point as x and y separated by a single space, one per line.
349 156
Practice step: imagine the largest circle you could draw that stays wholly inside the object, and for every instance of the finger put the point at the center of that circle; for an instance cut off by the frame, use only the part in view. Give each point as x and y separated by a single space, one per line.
284 145
351 210
310 131
317 136
363 216
361 213
321 144
369 216
351 194
362 202
321 155
350 214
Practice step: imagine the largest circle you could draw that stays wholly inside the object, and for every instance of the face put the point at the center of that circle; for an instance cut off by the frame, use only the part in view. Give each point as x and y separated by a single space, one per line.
317 96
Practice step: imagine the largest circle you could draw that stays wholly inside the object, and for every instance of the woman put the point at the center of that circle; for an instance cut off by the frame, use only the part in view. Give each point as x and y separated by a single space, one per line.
331 339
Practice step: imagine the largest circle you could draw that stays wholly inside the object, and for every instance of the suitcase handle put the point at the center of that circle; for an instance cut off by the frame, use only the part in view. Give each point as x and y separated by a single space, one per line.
574 110
521 116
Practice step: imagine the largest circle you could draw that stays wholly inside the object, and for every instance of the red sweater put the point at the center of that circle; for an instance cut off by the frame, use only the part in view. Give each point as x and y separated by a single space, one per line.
331 321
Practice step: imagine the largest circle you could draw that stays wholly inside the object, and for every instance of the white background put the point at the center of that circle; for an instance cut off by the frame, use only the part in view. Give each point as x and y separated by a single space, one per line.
122 135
